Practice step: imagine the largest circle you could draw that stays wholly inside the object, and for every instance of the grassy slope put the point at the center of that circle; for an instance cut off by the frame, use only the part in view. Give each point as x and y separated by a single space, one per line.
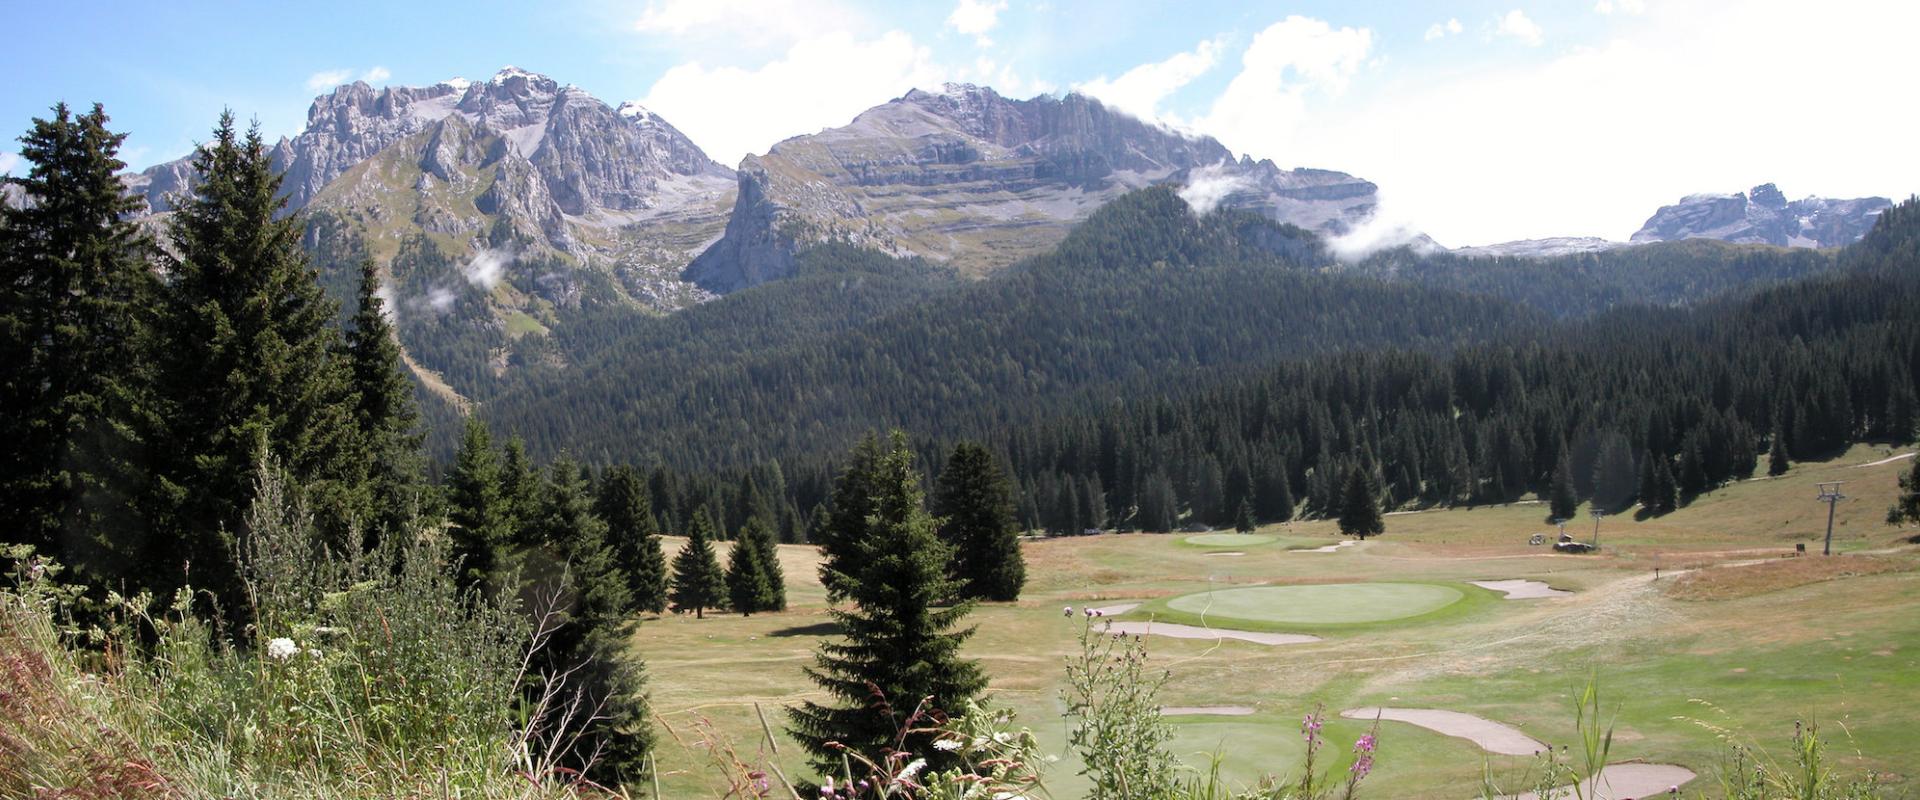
1845 651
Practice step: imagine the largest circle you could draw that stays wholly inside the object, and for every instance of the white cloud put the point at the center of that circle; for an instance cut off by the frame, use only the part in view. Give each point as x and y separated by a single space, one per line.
7 162
485 270
750 24
1632 7
1139 91
1442 29
819 83
1591 141
1003 77
1518 25
1290 59
1207 186
976 17
327 79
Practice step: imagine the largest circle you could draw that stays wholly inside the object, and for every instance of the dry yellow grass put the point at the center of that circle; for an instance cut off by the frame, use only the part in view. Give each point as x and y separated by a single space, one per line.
1746 580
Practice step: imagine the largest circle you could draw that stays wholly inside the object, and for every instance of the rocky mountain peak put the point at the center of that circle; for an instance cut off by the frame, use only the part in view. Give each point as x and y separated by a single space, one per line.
1763 215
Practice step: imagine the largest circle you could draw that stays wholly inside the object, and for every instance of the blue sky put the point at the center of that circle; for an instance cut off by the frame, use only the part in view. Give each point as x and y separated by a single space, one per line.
1481 121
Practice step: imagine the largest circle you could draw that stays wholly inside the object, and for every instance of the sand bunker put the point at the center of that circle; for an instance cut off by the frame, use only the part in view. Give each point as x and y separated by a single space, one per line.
1622 781
1228 553
1523 589
1492 737
1331 548
1211 711
1191 632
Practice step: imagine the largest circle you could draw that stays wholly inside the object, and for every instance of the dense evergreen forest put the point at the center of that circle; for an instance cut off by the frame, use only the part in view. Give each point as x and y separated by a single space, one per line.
1639 403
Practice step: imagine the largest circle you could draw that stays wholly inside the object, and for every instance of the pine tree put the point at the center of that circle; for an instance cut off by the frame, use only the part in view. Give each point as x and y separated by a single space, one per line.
73 278
748 589
1159 507
768 549
1777 454
247 363
482 522
625 505
1613 476
519 488
385 414
1693 470
1243 521
697 581
846 531
900 648
589 645
1359 507
1906 505
1649 484
974 502
1562 501
1666 489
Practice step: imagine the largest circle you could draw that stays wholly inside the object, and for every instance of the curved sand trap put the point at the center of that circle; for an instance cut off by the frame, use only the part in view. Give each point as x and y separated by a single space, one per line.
1492 737
1523 589
1191 632
1622 781
1209 711
1319 603
1228 539
1226 553
1332 547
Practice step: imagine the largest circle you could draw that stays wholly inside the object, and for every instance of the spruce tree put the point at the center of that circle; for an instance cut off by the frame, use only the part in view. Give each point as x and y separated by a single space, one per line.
845 534
1906 505
768 549
1243 522
1693 469
1562 501
747 588
1666 489
697 581
385 413
626 506
247 363
73 278
1613 475
519 488
1359 506
1649 484
482 522
901 649
1777 454
973 500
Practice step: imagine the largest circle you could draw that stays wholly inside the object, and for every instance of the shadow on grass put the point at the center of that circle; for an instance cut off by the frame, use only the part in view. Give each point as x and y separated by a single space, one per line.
816 629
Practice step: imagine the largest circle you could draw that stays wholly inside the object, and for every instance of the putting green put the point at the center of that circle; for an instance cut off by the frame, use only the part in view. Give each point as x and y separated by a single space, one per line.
1334 603
1228 539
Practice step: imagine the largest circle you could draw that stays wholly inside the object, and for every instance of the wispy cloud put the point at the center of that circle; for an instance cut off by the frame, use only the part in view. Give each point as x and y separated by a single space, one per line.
976 17
1632 7
1440 30
1207 186
1516 24
7 162
486 269
723 27
329 78
1139 91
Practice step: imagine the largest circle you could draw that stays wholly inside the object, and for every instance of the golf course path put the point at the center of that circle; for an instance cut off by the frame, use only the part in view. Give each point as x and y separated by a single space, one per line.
1191 632
1901 457
1114 610
1330 548
1210 711
1624 781
1523 589
1492 737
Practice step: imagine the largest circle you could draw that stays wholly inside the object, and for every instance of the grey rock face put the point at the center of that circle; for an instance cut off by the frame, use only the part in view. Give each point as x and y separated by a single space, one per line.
1765 216
1542 248
979 181
588 155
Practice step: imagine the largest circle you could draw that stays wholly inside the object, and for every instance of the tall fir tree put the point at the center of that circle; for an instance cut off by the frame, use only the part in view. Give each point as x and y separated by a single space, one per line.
1360 506
1666 489
385 413
1243 521
1906 505
247 363
748 590
520 489
482 521
1562 502
627 506
1613 475
845 534
698 583
1777 463
900 647
74 274
589 647
974 501
767 547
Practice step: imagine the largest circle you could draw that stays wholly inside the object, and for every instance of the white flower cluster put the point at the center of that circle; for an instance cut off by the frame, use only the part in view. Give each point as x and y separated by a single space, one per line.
282 648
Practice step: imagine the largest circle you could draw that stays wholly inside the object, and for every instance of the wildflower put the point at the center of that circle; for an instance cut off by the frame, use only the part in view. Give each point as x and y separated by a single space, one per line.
282 648
948 745
1069 611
